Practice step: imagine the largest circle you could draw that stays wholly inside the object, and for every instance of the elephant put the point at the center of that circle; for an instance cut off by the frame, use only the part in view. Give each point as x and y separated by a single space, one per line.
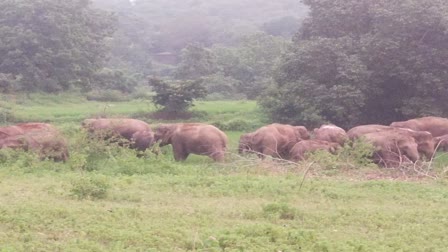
426 143
195 138
331 133
358 131
274 140
437 126
424 139
136 133
46 143
245 143
300 149
392 149
300 132
22 128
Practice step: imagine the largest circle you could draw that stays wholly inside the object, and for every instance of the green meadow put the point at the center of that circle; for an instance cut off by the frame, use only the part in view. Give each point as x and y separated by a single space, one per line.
106 199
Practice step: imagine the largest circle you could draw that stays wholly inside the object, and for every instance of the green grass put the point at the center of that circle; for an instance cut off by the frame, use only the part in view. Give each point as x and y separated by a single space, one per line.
72 108
106 199
206 207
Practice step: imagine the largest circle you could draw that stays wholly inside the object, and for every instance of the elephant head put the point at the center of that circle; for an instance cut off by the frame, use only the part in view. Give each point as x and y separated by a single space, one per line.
302 133
409 149
245 143
426 143
143 140
164 133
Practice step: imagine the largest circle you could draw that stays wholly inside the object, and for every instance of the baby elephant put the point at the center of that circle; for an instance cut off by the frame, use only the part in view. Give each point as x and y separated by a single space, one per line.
41 138
196 138
331 133
300 149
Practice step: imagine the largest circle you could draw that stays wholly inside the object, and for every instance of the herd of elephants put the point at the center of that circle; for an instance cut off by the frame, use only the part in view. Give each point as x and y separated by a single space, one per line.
406 141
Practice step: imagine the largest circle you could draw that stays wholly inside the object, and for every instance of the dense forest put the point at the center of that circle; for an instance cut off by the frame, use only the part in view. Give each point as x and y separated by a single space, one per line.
233 45
343 61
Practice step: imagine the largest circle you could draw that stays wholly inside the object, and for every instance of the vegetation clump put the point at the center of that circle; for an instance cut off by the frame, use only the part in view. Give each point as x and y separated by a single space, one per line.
90 187
176 98
362 62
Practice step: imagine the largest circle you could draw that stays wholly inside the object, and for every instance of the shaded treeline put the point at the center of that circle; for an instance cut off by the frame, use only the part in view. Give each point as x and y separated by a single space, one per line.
349 62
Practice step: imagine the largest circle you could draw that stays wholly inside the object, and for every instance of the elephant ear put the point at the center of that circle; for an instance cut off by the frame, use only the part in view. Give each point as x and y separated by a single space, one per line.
165 132
302 133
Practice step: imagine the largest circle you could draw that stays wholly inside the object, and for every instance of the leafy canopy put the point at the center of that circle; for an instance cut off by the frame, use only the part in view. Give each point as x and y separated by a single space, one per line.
176 96
363 61
48 45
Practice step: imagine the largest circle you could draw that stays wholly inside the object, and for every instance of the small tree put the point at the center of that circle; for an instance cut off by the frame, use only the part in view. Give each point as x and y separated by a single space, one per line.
176 96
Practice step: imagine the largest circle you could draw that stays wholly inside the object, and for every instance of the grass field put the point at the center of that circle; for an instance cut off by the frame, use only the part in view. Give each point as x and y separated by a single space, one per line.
106 199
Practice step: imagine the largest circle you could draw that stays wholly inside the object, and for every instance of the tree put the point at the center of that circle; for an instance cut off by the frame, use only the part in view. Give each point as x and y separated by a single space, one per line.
284 26
196 62
176 96
132 43
362 61
52 45
113 79
252 62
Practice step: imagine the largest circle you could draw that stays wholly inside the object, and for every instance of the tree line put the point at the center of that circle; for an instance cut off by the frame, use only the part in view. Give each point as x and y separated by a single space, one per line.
347 62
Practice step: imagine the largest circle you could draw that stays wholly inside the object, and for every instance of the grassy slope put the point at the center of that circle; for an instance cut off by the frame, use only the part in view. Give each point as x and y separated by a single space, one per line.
156 204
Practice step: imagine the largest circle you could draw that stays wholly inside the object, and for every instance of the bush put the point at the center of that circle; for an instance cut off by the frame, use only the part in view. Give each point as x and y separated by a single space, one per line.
177 96
90 187
142 93
18 159
358 153
279 210
353 155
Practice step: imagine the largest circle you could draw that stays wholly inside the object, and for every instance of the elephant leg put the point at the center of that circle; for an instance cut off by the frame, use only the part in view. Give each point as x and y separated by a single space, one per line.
180 154
269 151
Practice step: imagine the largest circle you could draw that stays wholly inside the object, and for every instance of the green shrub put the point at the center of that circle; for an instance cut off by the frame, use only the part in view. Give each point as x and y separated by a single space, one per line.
91 188
279 210
19 160
358 153
353 155
326 160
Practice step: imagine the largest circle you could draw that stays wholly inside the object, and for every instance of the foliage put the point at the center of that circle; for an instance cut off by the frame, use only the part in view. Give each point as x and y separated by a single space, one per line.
7 83
284 26
161 26
353 155
176 96
357 62
51 45
279 210
114 79
175 39
196 62
90 187
252 62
